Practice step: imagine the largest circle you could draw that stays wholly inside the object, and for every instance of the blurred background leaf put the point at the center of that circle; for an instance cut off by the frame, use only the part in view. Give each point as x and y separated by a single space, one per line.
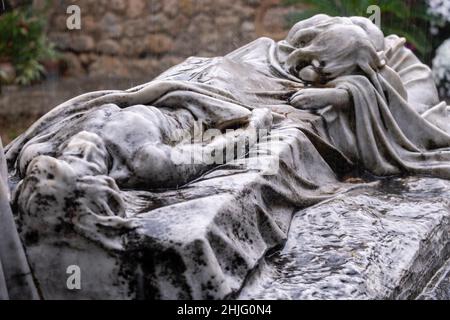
24 44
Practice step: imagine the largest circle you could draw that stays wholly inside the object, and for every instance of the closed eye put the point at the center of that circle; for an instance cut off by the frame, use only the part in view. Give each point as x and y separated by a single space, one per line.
304 41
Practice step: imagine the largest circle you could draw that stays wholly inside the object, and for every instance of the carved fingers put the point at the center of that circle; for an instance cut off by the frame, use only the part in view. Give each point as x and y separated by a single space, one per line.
100 195
317 98
310 99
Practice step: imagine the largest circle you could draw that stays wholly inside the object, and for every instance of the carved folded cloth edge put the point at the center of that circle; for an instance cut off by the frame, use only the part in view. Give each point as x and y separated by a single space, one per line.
16 281
220 91
234 216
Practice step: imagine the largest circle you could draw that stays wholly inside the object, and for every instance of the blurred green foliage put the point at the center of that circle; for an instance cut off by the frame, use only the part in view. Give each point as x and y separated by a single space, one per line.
407 18
24 44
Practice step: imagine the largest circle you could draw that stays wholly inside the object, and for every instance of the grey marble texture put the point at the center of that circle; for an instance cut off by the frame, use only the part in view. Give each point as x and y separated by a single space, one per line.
260 174
16 281
439 286
382 241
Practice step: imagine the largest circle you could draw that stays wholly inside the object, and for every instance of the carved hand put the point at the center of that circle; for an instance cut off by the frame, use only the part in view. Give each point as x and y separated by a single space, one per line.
317 98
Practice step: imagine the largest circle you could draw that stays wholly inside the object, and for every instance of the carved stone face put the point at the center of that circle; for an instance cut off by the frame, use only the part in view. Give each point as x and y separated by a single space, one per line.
331 48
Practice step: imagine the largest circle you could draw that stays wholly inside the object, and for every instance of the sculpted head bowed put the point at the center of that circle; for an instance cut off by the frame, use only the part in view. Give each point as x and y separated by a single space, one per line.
323 48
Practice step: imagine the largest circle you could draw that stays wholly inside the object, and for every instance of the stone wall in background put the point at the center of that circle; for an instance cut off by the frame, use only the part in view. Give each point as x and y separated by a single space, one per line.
124 43
140 38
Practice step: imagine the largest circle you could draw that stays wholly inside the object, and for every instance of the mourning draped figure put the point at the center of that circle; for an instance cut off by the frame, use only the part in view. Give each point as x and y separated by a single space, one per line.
127 184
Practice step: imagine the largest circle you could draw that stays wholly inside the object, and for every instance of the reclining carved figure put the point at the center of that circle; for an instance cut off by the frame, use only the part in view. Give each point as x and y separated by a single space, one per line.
361 99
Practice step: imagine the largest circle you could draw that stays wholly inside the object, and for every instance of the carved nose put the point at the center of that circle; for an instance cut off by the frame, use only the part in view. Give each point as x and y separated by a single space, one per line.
299 66
308 74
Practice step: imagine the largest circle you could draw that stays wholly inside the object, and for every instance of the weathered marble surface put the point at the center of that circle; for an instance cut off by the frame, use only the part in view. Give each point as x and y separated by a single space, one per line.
439 286
15 277
383 241
200 241
377 241
98 182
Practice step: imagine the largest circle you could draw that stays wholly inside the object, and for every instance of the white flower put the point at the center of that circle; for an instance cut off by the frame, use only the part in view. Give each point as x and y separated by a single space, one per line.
440 9
441 68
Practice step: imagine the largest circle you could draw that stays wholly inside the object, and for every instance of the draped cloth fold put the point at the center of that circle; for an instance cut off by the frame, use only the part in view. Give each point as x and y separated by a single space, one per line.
386 135
386 130
16 281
